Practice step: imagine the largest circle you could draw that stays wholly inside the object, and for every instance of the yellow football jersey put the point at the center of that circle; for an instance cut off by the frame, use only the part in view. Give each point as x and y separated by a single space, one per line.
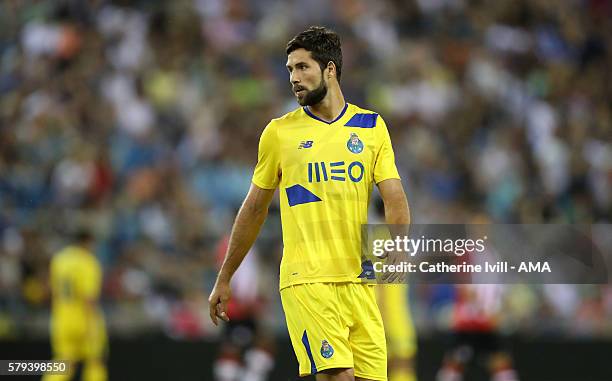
76 279
325 172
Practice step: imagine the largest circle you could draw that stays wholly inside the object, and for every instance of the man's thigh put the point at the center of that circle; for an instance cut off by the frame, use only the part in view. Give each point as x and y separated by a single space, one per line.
339 375
336 375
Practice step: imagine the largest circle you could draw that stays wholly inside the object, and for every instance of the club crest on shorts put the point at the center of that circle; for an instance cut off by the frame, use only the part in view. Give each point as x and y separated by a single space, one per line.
326 349
354 144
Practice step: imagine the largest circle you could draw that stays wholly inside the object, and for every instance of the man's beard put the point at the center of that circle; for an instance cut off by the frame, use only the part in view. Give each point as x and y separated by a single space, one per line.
315 96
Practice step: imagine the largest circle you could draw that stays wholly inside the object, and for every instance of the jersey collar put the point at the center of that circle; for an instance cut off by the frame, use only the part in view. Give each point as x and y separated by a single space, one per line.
310 114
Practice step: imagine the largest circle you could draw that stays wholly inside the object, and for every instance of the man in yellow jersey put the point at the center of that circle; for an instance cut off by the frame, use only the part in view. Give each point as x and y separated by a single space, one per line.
78 332
324 157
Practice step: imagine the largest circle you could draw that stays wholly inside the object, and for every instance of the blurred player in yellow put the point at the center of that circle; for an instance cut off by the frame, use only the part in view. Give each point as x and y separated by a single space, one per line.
325 158
78 332
399 329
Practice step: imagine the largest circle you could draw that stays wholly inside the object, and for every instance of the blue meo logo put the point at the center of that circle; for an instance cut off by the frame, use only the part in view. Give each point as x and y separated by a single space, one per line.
338 171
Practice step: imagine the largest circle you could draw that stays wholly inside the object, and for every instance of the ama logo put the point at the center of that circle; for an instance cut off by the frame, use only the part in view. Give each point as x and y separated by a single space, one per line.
326 349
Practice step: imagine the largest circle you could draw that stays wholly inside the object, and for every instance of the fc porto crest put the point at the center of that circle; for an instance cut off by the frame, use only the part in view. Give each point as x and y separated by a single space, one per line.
326 349
354 144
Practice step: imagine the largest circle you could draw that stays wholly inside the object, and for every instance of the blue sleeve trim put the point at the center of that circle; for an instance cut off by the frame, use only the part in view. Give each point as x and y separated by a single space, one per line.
362 121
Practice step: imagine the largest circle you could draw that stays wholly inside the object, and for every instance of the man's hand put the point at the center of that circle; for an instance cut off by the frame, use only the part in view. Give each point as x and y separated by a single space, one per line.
394 258
217 301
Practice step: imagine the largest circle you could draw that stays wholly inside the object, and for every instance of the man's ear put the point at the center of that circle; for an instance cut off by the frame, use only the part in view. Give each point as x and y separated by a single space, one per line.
332 68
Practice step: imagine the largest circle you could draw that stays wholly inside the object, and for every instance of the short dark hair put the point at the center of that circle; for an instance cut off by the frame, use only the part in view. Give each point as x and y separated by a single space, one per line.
322 43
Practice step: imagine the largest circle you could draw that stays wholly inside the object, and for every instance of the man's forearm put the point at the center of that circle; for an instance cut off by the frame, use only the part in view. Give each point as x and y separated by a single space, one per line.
244 233
397 213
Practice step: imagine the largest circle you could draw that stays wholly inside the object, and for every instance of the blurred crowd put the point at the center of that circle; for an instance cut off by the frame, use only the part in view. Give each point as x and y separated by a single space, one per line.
140 119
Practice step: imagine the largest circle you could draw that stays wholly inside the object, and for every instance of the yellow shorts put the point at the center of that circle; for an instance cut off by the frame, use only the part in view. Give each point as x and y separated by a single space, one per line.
77 345
336 325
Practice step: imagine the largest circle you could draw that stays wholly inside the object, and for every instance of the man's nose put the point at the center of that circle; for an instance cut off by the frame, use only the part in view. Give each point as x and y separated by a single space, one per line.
294 79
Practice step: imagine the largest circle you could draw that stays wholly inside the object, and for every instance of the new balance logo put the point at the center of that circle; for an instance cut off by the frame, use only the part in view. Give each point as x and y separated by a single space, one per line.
305 144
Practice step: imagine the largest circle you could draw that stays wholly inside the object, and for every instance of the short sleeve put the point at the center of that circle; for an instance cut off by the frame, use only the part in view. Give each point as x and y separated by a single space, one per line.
384 167
91 280
266 174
